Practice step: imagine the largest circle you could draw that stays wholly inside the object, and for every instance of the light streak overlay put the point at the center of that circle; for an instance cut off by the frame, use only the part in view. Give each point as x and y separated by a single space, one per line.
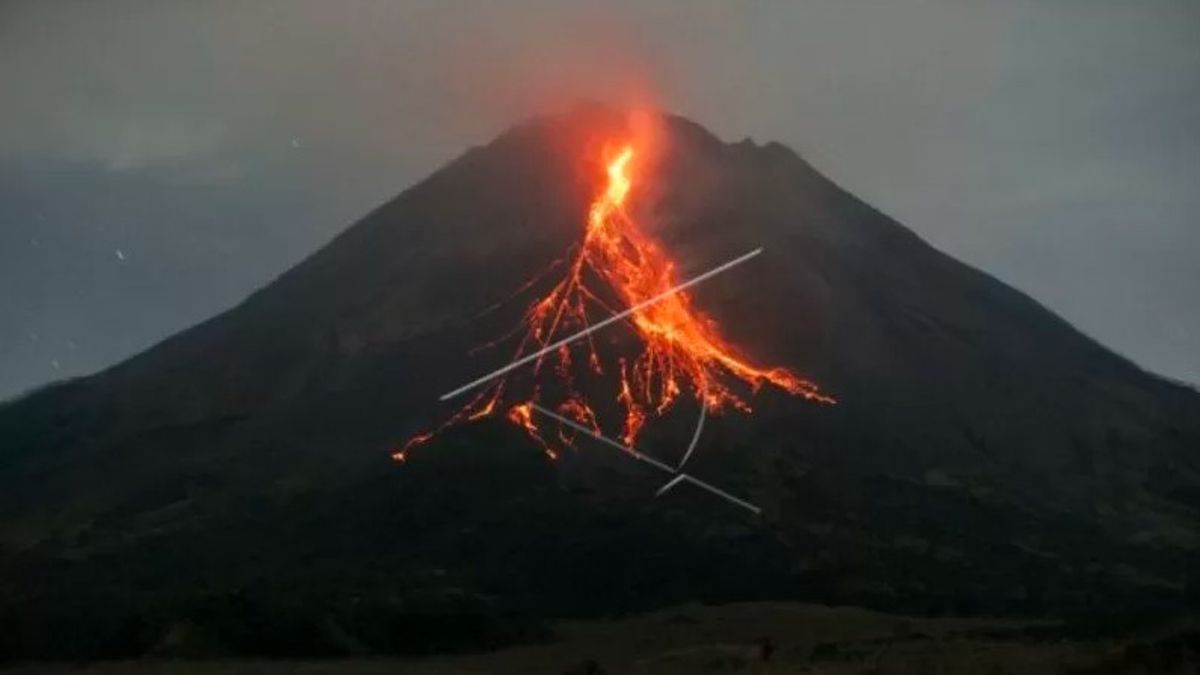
679 477
695 434
601 324
618 268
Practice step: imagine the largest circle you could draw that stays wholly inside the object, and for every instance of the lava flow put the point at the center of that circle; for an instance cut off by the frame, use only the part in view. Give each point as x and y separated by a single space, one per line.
681 351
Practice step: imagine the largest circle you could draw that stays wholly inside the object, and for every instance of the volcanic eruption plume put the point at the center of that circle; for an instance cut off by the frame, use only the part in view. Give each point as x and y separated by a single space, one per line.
679 350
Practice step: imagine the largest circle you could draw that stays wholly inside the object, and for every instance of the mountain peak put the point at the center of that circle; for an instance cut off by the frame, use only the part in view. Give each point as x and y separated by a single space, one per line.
1034 467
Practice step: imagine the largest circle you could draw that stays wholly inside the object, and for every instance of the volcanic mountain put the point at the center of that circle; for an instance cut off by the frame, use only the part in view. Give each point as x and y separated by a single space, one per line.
236 481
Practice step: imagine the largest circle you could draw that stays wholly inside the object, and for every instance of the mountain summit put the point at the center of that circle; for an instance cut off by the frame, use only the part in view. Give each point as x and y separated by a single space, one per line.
983 455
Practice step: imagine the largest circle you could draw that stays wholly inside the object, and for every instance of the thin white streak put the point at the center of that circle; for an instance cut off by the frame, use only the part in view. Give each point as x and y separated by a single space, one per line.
670 484
699 428
649 460
597 326
721 493
604 439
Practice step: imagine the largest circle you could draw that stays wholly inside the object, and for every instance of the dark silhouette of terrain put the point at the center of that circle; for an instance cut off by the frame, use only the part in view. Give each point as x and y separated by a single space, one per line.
230 489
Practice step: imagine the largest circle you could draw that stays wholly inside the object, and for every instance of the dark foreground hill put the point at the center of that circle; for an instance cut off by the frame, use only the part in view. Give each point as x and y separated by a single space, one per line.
231 488
764 638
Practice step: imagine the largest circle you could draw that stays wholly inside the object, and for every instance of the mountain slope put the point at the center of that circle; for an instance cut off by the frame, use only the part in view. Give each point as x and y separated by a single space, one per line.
984 455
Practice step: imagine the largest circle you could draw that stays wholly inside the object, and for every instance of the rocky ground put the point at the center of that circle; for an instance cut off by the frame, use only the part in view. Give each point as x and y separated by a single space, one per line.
759 638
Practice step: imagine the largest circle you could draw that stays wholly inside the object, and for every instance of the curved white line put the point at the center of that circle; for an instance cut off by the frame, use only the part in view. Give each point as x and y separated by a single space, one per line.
696 433
679 477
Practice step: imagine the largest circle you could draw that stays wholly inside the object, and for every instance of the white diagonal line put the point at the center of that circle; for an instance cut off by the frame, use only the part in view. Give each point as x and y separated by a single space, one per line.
670 484
597 326
720 493
649 460
604 439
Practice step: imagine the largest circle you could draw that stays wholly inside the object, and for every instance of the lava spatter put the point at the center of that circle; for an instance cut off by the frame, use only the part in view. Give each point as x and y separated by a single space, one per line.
679 349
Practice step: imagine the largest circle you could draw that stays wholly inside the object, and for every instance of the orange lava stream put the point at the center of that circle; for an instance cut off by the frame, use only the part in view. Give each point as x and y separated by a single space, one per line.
682 351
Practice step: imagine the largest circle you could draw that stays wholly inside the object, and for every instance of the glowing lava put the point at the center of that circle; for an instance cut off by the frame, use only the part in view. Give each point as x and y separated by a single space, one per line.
681 350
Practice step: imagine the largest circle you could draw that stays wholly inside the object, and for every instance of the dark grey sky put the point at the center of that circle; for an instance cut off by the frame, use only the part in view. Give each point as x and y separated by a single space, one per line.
159 160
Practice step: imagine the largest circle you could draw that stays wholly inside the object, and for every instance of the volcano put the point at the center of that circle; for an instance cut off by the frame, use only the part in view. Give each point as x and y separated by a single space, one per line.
238 479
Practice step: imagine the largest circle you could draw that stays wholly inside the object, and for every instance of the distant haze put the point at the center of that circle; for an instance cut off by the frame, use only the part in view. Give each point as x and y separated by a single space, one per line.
159 161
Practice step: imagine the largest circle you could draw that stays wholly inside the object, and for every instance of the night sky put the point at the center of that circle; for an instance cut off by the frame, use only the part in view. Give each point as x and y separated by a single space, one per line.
160 160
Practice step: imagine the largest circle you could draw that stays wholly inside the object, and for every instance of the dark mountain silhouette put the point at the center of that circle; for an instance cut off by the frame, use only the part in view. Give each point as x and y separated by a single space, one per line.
232 486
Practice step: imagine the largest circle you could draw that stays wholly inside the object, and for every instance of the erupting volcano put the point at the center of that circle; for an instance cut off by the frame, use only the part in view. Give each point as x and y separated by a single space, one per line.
983 456
679 350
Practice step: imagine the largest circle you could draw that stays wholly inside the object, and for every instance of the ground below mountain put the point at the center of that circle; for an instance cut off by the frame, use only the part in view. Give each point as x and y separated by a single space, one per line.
760 638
